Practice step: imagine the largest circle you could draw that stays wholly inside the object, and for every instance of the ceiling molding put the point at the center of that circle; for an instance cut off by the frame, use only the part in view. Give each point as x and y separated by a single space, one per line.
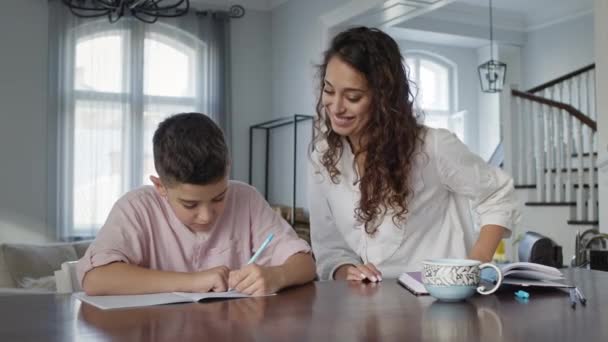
479 16
443 28
341 15
520 15
254 5
436 38
506 20
357 12
560 20
392 12
346 12
272 4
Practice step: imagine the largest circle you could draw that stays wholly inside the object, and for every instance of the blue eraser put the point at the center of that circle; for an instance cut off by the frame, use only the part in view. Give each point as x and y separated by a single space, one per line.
522 294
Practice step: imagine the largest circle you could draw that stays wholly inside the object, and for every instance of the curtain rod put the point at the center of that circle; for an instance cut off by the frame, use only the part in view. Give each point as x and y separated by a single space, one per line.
234 12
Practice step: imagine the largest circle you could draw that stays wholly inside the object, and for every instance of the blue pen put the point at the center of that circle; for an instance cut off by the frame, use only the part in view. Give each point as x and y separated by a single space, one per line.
573 298
581 298
261 249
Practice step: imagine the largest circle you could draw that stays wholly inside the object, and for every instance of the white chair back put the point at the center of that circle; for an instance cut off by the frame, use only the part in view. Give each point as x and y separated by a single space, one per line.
66 279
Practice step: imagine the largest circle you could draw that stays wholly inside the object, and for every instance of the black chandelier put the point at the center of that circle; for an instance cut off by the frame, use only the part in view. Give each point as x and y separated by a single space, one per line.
492 73
147 11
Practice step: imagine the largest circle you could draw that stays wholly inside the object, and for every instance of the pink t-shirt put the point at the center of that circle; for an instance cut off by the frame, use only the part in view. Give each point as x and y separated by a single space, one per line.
143 230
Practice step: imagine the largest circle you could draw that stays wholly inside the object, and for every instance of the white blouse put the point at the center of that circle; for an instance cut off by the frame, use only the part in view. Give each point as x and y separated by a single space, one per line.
449 184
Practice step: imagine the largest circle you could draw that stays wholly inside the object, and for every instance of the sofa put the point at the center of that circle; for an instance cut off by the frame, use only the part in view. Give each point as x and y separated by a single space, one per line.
31 268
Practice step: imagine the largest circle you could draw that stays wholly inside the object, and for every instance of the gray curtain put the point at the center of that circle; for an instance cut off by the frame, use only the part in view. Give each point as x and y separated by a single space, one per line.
214 31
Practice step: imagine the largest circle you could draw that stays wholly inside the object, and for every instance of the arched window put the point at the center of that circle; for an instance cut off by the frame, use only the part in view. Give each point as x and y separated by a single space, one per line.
434 87
124 81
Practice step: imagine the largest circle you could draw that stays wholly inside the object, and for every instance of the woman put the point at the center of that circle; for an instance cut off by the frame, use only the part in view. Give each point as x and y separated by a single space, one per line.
385 191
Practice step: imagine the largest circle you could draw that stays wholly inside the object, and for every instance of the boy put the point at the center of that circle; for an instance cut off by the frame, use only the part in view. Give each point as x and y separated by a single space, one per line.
195 230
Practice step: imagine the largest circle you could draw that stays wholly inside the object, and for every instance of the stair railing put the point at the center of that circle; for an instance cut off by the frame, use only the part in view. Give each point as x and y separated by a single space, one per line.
549 133
576 88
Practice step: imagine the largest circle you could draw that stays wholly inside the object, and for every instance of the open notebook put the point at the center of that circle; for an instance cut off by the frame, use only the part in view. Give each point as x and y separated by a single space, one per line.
529 274
517 274
131 301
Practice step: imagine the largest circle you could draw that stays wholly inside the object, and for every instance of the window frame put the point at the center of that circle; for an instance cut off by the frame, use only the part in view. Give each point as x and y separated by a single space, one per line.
452 70
133 40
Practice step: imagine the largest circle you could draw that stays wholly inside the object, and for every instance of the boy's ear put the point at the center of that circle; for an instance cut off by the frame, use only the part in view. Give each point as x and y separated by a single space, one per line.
159 186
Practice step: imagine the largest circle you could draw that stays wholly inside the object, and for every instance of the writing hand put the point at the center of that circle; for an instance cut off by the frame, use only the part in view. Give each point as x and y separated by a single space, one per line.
256 280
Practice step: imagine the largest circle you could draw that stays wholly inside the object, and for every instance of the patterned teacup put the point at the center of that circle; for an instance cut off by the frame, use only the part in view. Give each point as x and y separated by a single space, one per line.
453 280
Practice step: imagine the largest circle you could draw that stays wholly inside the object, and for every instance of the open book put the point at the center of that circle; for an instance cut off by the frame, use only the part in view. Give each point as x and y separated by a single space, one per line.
517 274
530 274
131 301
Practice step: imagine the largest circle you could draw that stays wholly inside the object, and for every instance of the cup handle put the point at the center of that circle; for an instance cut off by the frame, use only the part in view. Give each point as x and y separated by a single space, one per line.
482 289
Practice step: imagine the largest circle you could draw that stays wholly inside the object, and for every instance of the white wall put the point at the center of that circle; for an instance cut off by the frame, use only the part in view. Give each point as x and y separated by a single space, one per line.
465 60
511 56
251 79
296 42
601 71
23 124
489 104
555 50
489 114
296 46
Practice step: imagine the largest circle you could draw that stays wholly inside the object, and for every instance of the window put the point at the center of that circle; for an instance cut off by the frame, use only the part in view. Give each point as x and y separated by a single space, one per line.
125 81
434 90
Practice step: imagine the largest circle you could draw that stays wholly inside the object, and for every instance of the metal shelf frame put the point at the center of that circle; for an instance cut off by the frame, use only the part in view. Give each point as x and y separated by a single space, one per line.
267 127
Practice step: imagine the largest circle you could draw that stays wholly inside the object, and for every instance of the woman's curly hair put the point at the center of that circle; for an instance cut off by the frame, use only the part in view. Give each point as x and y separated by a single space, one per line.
392 131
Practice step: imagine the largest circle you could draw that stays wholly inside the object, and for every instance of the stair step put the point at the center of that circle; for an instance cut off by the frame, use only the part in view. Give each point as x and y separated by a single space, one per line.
551 204
556 204
526 186
586 154
573 170
583 223
533 186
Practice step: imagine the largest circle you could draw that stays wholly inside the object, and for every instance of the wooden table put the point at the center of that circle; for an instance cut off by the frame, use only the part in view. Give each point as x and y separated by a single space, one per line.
322 311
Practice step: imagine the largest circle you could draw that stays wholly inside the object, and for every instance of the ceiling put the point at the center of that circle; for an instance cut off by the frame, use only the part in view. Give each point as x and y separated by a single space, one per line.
453 22
465 22
533 13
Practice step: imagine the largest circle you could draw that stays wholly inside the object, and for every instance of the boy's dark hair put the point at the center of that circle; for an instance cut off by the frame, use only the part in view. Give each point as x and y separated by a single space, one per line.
190 148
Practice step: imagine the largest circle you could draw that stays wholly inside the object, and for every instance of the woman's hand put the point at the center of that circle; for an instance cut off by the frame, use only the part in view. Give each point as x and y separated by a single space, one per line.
358 272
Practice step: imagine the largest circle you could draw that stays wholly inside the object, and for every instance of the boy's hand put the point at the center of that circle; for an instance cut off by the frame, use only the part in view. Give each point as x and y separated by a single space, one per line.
256 280
214 279
358 272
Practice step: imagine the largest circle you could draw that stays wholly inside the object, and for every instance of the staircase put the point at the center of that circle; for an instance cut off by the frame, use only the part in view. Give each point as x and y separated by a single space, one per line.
553 157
